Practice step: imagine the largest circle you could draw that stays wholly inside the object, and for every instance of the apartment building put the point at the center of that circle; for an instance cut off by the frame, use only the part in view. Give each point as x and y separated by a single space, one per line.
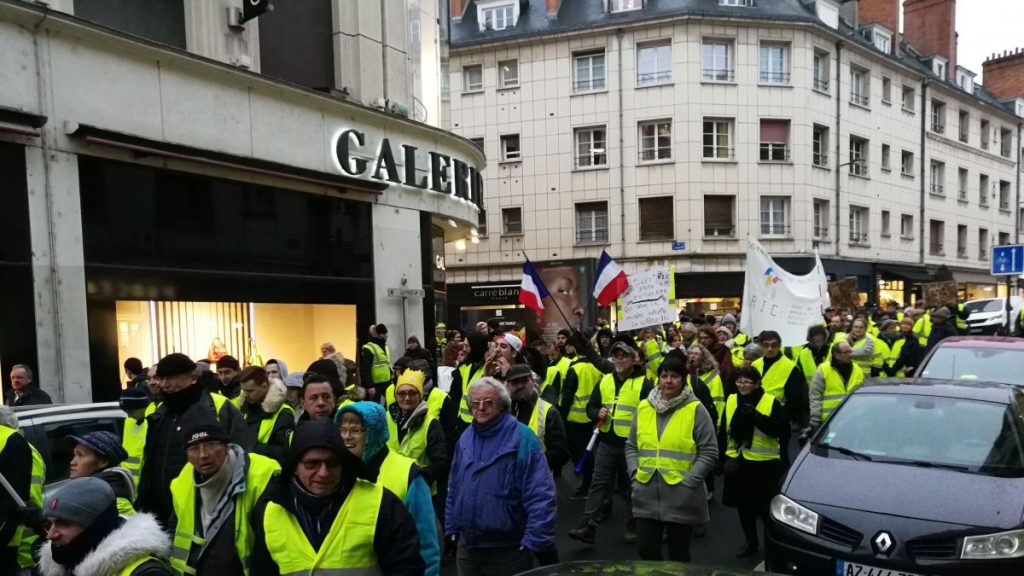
667 133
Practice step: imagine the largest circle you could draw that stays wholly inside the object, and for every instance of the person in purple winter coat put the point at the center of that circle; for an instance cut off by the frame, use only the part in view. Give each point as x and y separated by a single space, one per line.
501 505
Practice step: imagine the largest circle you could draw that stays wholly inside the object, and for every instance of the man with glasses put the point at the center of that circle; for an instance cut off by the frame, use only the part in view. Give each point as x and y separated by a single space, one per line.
781 378
164 451
322 518
213 500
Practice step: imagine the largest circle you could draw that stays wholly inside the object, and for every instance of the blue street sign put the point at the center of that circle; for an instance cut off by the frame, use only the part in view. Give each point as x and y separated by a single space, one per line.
679 245
1008 260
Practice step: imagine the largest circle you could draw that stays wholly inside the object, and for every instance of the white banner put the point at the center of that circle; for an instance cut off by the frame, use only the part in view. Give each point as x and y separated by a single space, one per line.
645 303
774 299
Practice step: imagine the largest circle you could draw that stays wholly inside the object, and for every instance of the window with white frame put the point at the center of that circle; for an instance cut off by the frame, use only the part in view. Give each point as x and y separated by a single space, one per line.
624 5
886 231
858 225
936 237
481 223
858 156
591 222
1005 142
774 140
588 71
962 178
907 163
938 116
821 67
907 226
961 241
986 134
882 41
497 16
655 140
886 158
654 63
512 220
775 215
717 138
937 171
908 98
510 151
819 146
821 219
983 246
656 221
939 67
886 90
590 147
983 190
860 86
965 125
473 78
774 62
719 216
717 60
508 73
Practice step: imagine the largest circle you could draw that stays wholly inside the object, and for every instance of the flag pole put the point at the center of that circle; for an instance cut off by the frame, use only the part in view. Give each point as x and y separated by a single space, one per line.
553 301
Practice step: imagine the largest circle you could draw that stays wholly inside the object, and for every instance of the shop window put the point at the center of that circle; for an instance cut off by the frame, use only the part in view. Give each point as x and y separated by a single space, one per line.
656 222
161 21
719 216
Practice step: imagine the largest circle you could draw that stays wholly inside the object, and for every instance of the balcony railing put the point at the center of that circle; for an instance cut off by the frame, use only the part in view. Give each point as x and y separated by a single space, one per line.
660 77
859 99
821 232
1004 204
774 77
859 169
821 84
719 231
938 190
774 152
718 75
779 230
858 238
982 254
820 159
588 85
962 195
938 127
718 153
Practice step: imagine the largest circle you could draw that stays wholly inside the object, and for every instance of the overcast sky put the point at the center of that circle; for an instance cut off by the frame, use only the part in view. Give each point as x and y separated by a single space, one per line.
988 26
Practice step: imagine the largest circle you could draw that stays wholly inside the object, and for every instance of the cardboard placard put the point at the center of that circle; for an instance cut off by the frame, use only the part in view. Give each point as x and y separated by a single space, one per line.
939 293
843 293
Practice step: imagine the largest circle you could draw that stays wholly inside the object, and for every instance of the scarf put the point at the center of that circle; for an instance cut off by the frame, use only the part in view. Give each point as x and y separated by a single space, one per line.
845 370
741 426
70 555
664 405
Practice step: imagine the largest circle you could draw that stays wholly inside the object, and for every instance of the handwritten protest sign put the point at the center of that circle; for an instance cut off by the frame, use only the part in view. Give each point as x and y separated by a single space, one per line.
939 293
843 293
646 301
774 299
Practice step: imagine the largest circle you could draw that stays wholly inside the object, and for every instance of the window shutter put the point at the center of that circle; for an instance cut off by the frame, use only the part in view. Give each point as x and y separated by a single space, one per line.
775 131
656 218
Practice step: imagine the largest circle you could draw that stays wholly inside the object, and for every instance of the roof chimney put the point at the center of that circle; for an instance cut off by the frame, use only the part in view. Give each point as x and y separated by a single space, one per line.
553 6
458 9
930 27
1003 75
884 12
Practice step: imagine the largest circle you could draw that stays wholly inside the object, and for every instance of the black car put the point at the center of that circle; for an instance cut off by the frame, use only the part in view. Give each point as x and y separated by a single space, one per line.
634 567
908 477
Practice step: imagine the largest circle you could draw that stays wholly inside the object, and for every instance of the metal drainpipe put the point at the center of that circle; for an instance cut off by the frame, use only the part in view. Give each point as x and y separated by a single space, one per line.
839 143
384 48
924 193
619 35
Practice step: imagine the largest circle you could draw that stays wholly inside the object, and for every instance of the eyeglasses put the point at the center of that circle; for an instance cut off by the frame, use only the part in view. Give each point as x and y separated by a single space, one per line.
313 465
407 394
346 431
478 404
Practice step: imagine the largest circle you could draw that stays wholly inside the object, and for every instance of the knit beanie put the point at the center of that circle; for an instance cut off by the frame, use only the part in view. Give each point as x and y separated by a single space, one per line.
134 399
414 378
375 419
105 444
728 318
80 501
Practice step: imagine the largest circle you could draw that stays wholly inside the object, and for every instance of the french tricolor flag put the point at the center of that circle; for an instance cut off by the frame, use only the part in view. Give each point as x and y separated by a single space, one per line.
532 290
610 280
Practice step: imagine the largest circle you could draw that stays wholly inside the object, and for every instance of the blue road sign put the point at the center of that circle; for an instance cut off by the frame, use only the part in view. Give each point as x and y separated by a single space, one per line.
679 245
1008 260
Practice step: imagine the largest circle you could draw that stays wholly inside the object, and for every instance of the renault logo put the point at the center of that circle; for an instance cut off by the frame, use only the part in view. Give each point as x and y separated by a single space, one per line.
882 543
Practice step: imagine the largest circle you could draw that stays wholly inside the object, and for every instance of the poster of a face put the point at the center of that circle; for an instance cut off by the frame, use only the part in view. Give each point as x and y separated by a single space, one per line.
569 283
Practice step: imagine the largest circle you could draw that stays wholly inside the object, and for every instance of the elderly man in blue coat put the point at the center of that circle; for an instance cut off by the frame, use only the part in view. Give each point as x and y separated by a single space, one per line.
501 503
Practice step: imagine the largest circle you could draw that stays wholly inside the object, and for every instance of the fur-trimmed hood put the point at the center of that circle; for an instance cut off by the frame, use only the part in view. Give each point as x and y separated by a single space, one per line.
277 393
139 535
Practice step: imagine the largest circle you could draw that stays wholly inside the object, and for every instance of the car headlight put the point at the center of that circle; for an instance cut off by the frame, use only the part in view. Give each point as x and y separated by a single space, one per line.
995 546
794 515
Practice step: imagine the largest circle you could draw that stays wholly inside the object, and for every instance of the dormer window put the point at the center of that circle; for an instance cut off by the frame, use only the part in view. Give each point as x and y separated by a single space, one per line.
735 2
883 41
939 67
497 15
624 5
965 79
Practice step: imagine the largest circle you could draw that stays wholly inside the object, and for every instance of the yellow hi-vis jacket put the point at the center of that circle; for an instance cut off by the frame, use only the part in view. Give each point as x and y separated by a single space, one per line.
671 454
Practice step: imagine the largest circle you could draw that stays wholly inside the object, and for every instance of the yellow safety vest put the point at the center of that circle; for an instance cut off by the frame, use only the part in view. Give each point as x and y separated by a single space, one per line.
183 493
35 494
740 339
133 440
654 356
267 425
587 378
806 364
713 380
923 328
881 356
464 412
414 445
380 371
550 375
538 421
894 355
394 473
961 324
736 353
836 389
774 382
5 434
623 405
346 551
673 452
127 571
563 365
762 447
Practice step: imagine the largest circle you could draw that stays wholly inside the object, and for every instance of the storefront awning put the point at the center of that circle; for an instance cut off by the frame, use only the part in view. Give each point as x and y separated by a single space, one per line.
964 277
910 273
709 285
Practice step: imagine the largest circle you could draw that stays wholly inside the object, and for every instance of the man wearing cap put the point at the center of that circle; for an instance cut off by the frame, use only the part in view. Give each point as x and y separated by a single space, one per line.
738 338
613 403
293 384
214 497
375 361
164 453
542 417
87 537
98 454
16 466
322 516
137 404
227 372
268 419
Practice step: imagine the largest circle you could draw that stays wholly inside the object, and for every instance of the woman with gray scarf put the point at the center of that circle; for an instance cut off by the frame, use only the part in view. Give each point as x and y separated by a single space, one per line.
670 450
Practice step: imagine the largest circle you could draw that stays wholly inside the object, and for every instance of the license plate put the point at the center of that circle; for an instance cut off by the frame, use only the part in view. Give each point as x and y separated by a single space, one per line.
844 568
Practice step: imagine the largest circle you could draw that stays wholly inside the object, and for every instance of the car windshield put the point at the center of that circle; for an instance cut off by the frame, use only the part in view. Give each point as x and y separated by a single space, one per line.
989 364
985 306
971 435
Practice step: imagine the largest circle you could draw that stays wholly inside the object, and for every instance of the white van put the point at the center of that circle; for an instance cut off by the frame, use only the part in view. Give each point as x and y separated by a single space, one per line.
988 316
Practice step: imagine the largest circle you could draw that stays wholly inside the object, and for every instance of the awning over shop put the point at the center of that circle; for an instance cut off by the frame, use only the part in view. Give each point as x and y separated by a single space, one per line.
965 277
911 273
709 285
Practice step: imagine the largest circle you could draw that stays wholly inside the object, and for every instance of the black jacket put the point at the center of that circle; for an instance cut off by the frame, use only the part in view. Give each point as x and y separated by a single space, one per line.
941 331
16 466
280 436
797 394
911 356
165 448
594 405
555 441
36 396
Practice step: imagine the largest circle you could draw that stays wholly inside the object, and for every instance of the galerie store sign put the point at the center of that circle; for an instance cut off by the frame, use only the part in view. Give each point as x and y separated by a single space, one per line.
399 164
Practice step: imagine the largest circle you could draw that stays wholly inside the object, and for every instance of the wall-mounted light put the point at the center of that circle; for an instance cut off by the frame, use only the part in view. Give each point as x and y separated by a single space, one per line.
452 223
474 232
460 244
475 240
